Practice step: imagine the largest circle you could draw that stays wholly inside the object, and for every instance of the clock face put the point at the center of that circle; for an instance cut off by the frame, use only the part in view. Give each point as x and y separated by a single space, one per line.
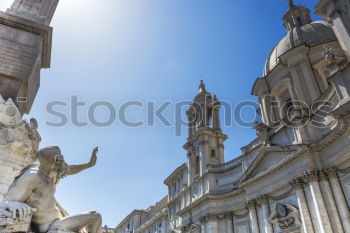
281 210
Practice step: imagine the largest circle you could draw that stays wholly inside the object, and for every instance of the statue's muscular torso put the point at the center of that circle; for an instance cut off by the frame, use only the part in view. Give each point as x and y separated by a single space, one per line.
40 191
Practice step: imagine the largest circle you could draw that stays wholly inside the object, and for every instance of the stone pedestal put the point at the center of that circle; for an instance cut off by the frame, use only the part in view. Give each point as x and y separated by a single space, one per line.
10 225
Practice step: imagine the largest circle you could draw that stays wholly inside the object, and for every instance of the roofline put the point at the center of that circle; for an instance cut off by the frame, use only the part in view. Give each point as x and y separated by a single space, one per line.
133 212
183 166
255 83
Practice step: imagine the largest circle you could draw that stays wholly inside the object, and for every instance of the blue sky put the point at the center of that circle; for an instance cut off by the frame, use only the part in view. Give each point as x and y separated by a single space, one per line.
146 50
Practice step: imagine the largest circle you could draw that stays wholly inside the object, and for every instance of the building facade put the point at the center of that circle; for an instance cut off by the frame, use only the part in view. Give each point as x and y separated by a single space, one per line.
295 176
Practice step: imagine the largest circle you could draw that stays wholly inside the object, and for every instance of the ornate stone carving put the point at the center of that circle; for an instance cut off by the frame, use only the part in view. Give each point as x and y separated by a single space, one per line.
329 55
285 217
251 204
311 175
332 172
19 142
203 219
297 183
33 134
262 131
18 223
263 199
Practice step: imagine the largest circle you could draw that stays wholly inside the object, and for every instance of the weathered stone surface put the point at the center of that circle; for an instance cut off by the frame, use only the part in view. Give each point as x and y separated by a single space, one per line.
10 225
60 231
25 48
19 142
37 10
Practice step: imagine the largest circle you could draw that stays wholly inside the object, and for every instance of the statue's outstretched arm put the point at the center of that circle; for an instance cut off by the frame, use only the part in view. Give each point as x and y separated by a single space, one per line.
75 169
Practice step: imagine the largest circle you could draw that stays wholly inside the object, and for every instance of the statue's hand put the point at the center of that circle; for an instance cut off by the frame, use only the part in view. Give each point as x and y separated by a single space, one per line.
93 157
17 209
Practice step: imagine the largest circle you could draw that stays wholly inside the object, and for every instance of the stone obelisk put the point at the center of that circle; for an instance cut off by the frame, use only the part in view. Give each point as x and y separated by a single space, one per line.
25 48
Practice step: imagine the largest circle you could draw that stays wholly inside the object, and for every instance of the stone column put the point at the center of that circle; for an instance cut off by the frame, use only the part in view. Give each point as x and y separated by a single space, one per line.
341 29
203 220
330 203
322 223
303 208
190 129
164 226
264 202
216 118
253 216
229 223
339 199
211 225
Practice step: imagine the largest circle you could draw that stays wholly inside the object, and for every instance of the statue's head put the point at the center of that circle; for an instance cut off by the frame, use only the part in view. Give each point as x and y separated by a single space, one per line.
51 159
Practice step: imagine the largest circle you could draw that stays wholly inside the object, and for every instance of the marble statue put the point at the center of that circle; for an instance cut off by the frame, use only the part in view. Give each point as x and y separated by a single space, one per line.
285 216
32 195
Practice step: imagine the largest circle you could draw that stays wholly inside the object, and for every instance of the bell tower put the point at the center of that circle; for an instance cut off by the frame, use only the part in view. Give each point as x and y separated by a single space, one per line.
205 143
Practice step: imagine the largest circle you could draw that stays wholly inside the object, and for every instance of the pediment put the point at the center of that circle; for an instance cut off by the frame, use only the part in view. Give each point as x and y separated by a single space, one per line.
267 158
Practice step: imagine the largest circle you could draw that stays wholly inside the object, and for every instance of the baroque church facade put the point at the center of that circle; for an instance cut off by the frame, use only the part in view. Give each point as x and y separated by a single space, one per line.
295 176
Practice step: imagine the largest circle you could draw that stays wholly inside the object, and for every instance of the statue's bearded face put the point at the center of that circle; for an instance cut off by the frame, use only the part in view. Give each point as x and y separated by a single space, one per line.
60 166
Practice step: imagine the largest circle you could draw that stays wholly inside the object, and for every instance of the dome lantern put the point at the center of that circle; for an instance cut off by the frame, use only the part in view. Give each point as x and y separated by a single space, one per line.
296 16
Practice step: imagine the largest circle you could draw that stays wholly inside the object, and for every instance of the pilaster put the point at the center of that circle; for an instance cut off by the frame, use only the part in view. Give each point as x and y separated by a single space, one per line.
330 202
321 218
303 207
263 201
339 198
251 204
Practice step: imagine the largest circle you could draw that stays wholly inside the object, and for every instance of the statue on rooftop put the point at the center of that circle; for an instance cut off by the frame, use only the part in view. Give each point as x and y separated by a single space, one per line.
31 196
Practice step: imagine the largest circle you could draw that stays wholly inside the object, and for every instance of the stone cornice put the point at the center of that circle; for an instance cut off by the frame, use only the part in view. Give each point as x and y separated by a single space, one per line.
210 197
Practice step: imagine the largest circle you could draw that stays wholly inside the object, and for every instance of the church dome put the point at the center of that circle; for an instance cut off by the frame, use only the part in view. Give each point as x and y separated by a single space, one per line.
310 34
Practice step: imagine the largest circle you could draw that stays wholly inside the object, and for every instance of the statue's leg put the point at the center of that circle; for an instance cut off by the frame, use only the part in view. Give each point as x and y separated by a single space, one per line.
78 221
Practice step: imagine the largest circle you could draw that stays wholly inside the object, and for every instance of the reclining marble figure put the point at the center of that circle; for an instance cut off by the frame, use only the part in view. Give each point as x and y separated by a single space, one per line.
32 194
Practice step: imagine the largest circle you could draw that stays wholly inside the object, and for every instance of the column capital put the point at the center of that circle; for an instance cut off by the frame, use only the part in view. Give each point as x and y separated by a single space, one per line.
334 14
251 204
311 175
229 214
263 199
322 175
203 219
332 172
297 183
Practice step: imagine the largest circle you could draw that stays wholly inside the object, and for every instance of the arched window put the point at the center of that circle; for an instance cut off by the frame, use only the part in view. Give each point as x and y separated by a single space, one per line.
283 94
